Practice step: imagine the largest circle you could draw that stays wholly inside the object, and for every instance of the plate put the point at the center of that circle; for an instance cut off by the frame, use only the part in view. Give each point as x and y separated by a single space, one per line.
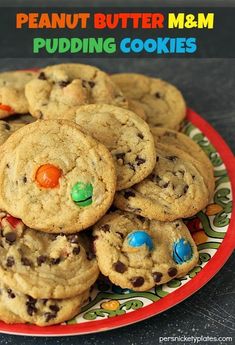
212 229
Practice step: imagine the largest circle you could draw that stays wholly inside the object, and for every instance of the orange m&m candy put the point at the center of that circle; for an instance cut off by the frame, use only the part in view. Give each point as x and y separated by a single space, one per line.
48 175
6 108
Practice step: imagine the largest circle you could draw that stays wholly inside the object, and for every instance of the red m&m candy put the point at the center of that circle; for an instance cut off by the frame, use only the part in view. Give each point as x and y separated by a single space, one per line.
48 175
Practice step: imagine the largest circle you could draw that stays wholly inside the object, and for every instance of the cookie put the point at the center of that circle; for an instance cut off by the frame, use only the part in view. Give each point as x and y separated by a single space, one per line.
183 142
127 137
137 253
16 307
12 92
175 189
56 178
60 89
7 129
162 103
136 108
45 265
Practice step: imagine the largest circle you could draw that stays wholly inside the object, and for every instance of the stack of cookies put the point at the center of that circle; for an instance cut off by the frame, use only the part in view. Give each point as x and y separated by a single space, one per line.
94 178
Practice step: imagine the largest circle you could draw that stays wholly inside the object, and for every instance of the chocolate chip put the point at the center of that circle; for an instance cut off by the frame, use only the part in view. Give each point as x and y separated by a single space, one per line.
193 177
172 158
137 281
25 179
31 309
63 83
105 227
26 262
120 234
142 219
73 238
49 316
8 166
91 84
140 135
54 307
158 95
177 225
44 301
157 276
42 76
157 159
155 178
55 261
186 187
10 237
76 250
172 271
41 259
10 261
120 155
128 194
119 267
131 166
10 293
7 126
165 185
181 172
140 160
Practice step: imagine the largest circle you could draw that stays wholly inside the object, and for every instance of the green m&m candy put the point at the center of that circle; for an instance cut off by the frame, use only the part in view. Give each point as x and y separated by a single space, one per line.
81 193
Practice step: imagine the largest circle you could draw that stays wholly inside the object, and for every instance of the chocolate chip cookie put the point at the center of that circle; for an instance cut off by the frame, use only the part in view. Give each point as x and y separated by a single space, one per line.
127 137
137 253
183 142
175 189
162 103
56 178
12 92
60 89
45 265
16 307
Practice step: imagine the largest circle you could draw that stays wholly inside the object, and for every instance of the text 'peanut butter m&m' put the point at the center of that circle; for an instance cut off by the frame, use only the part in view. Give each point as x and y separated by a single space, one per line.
48 175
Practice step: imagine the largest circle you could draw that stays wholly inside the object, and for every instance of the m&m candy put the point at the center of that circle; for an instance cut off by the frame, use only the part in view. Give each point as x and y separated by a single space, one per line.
182 251
82 193
138 238
48 175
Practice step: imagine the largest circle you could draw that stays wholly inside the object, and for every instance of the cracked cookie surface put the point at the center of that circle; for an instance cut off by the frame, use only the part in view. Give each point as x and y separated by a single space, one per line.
167 252
161 102
175 189
127 137
16 307
183 142
56 178
12 92
60 89
45 265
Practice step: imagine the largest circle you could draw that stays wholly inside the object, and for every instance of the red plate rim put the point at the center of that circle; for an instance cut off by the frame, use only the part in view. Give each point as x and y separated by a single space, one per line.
175 297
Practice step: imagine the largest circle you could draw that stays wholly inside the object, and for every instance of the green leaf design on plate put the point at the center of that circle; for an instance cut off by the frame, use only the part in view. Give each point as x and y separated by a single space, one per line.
132 304
209 245
221 177
159 291
207 227
94 313
174 283
204 257
194 271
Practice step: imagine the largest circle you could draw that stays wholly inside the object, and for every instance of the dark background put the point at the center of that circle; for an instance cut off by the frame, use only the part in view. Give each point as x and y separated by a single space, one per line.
208 86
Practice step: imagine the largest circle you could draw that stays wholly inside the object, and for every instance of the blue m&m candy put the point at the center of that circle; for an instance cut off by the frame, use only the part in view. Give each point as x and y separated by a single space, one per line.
182 251
138 238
